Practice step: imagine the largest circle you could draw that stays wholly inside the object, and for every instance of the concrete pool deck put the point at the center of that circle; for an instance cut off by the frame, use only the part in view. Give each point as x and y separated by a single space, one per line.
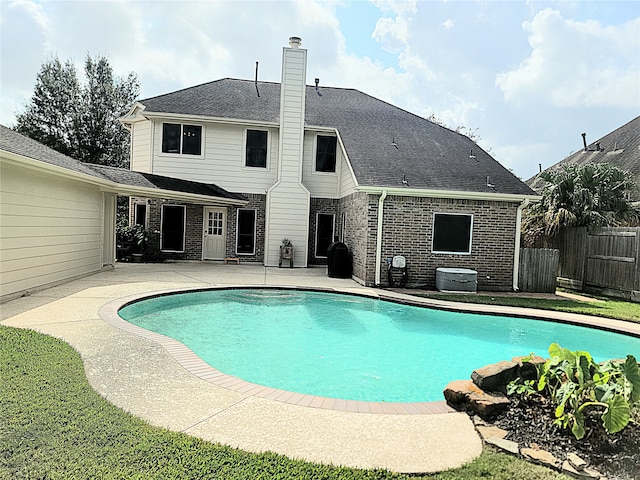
149 380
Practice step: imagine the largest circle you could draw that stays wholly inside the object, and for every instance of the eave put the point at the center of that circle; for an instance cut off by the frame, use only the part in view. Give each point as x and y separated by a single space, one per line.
483 196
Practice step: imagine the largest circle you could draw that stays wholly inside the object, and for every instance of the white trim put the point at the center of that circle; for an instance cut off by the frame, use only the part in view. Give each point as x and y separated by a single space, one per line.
145 224
184 227
267 165
179 154
255 230
203 118
433 234
315 159
414 192
347 161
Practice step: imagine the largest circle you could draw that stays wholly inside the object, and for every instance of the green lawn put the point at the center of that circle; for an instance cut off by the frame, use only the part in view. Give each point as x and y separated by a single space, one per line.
607 308
53 425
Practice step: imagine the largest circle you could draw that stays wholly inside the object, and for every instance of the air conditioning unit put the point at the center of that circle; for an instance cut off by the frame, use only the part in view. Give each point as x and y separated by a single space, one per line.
456 280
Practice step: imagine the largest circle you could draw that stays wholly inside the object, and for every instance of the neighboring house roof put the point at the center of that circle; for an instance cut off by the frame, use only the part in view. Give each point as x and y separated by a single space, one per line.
620 148
124 179
384 144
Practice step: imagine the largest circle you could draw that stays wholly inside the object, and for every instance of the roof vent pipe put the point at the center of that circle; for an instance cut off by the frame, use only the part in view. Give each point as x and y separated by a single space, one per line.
584 141
295 42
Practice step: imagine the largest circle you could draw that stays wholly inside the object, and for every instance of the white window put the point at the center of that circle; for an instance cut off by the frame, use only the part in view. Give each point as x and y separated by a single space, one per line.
246 232
257 148
172 228
452 233
324 233
140 214
326 148
182 139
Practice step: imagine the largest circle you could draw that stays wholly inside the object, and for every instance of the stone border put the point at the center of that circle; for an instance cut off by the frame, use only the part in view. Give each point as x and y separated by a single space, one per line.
573 466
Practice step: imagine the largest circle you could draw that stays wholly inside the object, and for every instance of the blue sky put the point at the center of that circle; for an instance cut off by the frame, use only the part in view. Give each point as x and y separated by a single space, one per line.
527 77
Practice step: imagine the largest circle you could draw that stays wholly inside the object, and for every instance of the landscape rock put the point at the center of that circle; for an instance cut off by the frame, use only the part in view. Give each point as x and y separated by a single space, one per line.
502 444
528 370
491 431
467 396
576 462
541 457
479 422
587 473
496 376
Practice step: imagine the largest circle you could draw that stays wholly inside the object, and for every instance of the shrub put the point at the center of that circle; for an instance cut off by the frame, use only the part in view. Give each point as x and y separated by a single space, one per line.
578 387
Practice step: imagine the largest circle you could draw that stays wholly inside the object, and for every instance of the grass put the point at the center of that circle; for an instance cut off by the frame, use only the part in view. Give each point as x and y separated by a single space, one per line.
53 425
607 308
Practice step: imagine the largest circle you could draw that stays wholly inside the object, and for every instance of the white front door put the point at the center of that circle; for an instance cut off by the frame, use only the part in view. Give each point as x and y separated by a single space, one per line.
215 233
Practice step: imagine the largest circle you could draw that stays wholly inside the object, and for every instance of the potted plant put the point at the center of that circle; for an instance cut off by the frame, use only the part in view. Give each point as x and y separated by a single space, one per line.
132 241
286 252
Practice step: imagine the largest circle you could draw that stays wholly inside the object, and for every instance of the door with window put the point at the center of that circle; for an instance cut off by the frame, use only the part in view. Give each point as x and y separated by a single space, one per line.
215 233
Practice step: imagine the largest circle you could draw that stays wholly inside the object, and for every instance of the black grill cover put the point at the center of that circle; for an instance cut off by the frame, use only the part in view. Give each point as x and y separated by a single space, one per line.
338 260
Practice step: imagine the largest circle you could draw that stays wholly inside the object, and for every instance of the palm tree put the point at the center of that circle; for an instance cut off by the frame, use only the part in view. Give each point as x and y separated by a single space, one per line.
581 195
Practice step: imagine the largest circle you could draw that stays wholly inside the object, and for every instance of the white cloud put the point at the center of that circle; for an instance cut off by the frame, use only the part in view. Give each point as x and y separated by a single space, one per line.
398 7
576 64
392 34
448 24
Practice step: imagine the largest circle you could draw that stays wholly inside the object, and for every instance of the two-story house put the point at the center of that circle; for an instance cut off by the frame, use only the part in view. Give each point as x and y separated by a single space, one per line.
318 163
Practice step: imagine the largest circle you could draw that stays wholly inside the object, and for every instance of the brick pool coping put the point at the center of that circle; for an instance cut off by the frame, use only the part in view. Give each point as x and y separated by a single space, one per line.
198 367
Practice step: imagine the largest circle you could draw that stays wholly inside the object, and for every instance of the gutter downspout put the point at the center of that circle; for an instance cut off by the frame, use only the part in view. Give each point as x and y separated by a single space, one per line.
379 236
516 254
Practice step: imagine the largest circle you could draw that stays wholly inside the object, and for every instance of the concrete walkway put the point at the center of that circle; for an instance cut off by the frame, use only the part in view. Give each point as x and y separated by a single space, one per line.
146 378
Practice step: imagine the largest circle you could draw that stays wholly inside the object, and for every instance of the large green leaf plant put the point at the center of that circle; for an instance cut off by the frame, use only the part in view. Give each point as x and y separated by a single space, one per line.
578 386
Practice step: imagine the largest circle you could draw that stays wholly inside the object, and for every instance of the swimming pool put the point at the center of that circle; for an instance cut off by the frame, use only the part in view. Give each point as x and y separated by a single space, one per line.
352 347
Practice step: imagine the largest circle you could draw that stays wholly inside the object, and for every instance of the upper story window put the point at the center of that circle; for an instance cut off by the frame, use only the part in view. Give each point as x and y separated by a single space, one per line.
452 233
184 139
326 153
256 152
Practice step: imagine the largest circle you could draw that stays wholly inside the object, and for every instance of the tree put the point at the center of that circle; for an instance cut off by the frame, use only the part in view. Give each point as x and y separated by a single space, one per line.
581 195
51 115
81 121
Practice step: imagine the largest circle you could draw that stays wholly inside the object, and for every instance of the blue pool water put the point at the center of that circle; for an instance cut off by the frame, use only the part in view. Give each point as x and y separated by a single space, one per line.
352 347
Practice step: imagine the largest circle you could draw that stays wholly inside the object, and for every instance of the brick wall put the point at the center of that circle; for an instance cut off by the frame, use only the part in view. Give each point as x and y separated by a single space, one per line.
408 231
355 207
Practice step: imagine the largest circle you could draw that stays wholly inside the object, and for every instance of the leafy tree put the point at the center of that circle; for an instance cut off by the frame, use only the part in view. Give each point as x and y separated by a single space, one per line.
581 195
51 115
81 120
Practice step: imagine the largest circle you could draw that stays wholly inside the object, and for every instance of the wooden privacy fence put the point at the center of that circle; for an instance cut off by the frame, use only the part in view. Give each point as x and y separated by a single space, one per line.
601 260
538 269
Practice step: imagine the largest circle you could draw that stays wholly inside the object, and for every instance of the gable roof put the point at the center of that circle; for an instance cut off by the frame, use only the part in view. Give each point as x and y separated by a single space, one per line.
120 180
620 148
428 156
